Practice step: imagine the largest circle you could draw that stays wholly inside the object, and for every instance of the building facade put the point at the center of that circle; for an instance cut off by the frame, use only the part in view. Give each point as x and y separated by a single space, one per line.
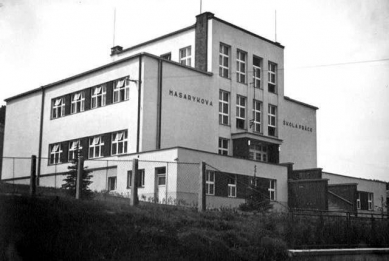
210 92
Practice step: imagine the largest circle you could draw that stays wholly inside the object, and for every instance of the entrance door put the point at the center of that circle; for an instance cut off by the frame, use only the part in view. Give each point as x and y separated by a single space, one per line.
161 184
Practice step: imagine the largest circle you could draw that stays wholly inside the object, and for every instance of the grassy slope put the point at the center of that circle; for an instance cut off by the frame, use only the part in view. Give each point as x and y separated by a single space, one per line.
51 228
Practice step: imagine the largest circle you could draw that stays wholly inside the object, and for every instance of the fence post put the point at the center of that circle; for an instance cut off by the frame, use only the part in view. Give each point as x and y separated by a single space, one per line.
134 183
33 176
202 196
80 168
348 227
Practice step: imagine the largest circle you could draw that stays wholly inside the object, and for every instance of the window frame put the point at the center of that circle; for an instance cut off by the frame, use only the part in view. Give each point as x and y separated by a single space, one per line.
55 156
101 95
123 141
241 112
272 85
210 182
72 153
232 187
370 201
160 174
58 109
241 76
358 200
257 123
121 93
224 107
256 150
166 56
92 147
224 60
257 77
187 59
271 116
77 105
223 150
109 183
141 178
272 189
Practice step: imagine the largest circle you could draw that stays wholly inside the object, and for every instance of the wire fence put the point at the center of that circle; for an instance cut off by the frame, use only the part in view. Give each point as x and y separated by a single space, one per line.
327 229
162 182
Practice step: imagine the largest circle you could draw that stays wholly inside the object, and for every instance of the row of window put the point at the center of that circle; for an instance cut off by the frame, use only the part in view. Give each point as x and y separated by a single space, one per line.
241 113
258 152
210 181
241 68
185 56
232 180
90 98
91 147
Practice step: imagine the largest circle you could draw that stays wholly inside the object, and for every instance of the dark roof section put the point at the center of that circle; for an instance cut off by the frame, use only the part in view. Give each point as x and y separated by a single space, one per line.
158 38
250 33
102 68
301 103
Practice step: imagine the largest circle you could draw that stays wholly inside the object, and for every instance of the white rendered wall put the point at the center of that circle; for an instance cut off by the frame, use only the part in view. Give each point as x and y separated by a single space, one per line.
378 188
188 121
298 132
189 181
110 118
21 134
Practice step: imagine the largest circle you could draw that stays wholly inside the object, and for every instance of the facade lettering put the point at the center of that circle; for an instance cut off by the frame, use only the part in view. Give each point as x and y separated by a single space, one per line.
190 97
297 126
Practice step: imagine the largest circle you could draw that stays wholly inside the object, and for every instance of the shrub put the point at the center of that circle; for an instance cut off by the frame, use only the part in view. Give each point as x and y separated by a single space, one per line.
272 249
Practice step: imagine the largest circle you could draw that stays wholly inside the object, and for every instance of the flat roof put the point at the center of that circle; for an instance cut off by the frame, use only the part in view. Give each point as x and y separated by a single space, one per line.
157 39
211 16
301 103
375 180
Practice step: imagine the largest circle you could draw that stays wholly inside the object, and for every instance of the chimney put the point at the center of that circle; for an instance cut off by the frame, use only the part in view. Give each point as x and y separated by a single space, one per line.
116 50
201 40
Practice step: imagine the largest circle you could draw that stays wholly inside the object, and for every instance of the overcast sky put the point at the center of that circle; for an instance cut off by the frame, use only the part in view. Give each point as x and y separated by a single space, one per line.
336 57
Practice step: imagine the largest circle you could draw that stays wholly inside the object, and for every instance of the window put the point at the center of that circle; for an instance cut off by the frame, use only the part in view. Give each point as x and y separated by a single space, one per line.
241 66
223 146
232 187
223 107
141 178
272 189
58 108
370 205
121 90
257 116
257 71
224 63
161 176
240 112
119 143
167 56
78 102
365 200
185 56
111 183
99 96
95 147
74 147
272 77
272 116
258 152
55 153
210 182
